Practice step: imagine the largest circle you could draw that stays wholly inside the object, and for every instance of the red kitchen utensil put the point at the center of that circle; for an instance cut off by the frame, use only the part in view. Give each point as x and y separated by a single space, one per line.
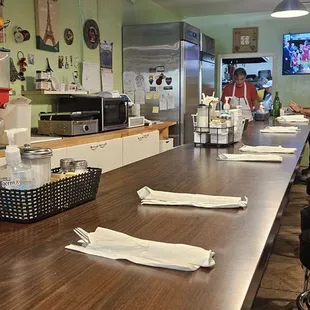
4 96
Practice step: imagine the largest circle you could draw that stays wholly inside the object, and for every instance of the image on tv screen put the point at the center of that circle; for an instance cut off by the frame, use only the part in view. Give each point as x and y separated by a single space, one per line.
296 53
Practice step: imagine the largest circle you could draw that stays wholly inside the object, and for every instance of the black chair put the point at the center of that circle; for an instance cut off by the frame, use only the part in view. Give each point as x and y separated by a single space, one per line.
305 218
303 299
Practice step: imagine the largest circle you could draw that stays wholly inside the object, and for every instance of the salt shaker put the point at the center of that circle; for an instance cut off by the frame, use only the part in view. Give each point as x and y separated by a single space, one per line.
80 166
66 165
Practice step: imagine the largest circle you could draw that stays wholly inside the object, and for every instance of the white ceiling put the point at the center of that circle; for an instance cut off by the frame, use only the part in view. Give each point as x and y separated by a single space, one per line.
191 8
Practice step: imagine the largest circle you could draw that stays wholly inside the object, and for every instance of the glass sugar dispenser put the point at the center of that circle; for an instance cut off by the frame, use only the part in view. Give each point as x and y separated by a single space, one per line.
40 161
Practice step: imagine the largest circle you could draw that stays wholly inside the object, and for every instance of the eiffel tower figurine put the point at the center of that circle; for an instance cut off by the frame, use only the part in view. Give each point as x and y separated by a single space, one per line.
49 35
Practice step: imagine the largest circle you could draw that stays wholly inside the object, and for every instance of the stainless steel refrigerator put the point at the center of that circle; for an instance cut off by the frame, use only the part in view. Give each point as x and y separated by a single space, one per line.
207 64
161 71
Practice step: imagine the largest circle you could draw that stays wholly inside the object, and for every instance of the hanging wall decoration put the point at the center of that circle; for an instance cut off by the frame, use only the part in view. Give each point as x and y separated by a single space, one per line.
91 34
47 21
21 35
22 65
245 40
68 36
106 51
3 24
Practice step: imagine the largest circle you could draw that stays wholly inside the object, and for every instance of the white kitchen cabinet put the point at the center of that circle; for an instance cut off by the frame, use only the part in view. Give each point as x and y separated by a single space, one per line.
58 154
109 154
165 145
106 155
140 146
150 144
85 151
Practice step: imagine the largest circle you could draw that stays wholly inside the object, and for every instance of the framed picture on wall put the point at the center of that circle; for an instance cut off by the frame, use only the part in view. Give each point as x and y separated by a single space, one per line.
245 40
47 21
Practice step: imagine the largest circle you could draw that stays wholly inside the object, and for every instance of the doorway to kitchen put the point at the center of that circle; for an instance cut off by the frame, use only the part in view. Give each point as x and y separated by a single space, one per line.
260 68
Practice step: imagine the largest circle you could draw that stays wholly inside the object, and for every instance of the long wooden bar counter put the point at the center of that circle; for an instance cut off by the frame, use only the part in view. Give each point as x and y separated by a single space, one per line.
38 273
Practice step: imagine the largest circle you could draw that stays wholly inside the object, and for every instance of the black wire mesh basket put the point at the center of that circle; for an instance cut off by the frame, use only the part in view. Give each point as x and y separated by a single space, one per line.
27 206
212 136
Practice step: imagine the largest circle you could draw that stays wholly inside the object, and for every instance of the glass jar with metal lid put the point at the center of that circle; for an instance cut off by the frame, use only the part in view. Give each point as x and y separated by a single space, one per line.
40 161
66 165
80 166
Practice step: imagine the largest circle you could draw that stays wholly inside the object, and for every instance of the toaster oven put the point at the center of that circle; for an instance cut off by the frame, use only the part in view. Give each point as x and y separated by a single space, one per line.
113 112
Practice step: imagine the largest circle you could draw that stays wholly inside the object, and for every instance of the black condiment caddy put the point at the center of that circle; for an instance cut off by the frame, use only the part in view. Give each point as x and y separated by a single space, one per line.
27 206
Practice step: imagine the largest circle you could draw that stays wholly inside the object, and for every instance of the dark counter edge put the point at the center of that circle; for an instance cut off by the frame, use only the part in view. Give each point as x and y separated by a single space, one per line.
264 259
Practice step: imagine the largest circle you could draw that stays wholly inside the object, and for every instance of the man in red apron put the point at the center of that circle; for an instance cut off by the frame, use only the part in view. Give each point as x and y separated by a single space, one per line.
243 94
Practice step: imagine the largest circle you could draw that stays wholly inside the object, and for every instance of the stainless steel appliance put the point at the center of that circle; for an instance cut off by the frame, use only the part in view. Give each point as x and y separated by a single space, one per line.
135 121
161 67
68 123
112 112
207 65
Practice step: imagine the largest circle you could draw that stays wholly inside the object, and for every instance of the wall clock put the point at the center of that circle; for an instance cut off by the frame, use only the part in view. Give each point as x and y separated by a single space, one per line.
91 34
245 40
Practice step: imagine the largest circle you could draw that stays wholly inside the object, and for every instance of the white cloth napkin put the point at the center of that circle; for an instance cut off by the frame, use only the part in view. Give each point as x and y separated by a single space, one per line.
151 197
280 129
250 157
115 245
267 149
295 118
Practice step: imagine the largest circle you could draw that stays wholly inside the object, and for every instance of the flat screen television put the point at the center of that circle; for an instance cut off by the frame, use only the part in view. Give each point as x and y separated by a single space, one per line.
296 53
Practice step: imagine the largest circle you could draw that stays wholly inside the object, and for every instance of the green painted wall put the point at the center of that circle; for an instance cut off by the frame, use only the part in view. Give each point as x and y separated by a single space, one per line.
270 41
110 16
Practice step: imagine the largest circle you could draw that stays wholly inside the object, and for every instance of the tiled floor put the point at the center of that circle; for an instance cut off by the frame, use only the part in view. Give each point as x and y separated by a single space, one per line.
283 278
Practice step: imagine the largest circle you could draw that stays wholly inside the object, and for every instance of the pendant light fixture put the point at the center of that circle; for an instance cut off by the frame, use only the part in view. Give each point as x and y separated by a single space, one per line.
289 9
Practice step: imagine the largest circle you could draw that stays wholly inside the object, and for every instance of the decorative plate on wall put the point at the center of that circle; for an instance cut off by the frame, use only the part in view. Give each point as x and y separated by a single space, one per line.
91 34
245 40
68 36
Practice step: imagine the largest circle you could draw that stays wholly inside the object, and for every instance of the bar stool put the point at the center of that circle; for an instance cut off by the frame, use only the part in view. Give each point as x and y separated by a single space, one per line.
303 299
305 218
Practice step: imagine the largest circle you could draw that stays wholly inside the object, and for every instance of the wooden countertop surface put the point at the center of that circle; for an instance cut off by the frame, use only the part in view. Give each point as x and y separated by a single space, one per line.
38 273
103 136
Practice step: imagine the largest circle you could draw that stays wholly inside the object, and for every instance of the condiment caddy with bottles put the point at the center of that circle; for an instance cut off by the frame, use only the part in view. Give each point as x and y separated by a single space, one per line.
28 191
222 127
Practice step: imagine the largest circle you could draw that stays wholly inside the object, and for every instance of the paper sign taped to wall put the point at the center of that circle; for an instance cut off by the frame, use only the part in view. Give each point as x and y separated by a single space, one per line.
140 97
149 95
156 95
155 110
163 103
107 81
91 76
129 81
170 101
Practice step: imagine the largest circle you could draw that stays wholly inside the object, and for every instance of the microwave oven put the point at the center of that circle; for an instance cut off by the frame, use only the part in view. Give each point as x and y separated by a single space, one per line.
113 112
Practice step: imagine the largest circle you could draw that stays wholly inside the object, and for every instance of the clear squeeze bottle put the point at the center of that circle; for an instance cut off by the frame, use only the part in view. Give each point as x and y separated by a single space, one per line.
19 175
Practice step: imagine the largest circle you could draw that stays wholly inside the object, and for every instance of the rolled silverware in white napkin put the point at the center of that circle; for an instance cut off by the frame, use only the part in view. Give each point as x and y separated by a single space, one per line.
250 157
280 129
296 118
152 197
115 245
267 149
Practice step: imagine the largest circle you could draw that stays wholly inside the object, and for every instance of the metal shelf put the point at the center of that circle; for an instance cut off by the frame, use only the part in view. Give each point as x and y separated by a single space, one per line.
54 92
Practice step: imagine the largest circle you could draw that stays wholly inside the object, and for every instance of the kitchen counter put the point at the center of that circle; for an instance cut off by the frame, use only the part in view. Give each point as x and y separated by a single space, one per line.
163 129
38 273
